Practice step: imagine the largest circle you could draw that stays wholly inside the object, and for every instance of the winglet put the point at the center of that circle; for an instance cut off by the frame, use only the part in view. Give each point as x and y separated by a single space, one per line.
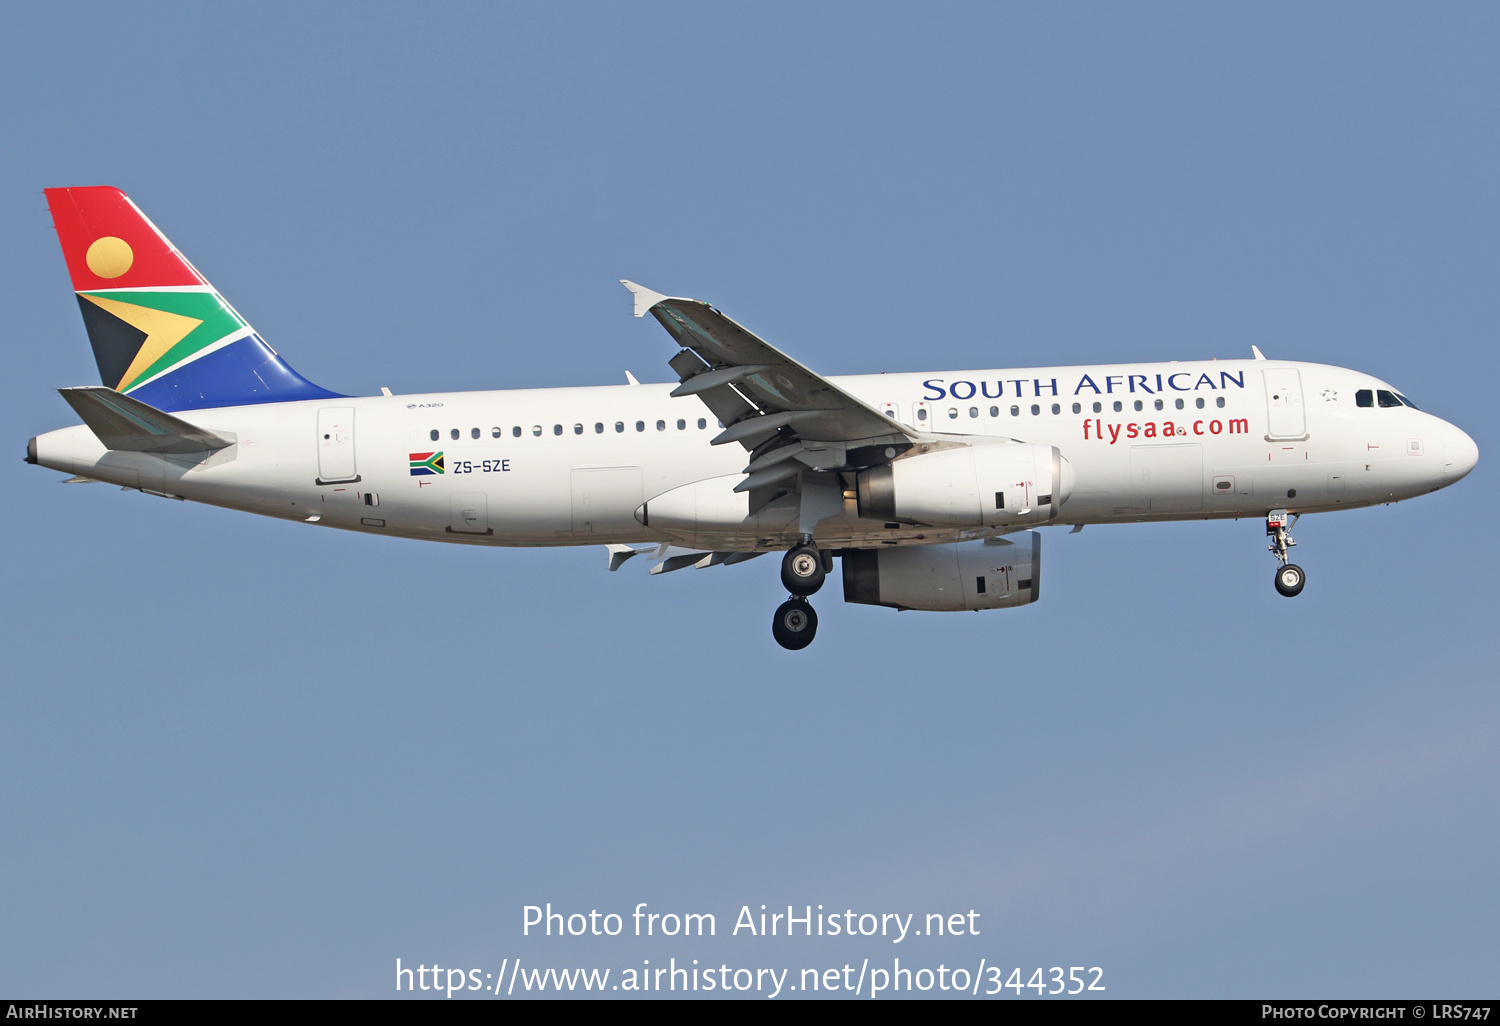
1258 354
645 299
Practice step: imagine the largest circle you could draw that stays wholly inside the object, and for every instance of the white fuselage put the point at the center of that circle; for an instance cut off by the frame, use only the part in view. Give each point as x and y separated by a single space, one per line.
570 466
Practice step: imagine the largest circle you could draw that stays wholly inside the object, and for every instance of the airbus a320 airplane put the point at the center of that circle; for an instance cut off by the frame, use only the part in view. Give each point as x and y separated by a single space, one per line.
927 485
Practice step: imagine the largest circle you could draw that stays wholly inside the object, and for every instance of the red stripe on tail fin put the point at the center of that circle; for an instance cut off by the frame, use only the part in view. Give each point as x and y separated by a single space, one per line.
109 244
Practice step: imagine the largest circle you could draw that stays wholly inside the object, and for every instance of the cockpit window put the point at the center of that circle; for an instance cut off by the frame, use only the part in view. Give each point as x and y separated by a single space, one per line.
1406 401
1387 398
1364 397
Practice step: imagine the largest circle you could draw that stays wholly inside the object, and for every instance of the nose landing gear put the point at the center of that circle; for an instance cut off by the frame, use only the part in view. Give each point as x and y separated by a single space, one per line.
1290 577
803 571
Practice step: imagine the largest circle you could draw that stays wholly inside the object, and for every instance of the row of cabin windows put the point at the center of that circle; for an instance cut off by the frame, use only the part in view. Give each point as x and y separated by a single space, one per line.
557 429
1361 398
1036 408
1384 397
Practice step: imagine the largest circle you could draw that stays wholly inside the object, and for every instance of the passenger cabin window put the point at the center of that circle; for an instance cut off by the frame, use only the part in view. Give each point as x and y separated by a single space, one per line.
536 429
703 422
1078 407
921 413
619 427
973 411
1036 410
437 434
578 429
661 425
1015 411
1159 404
495 432
994 411
557 429
1137 405
1219 402
1119 406
1098 407
1180 404
599 428
640 425
681 425
1198 402
953 413
453 434
1387 399
516 431
473 432
1056 409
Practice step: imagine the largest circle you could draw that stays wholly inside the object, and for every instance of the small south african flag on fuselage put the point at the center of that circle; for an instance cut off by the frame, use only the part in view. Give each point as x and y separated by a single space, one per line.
426 463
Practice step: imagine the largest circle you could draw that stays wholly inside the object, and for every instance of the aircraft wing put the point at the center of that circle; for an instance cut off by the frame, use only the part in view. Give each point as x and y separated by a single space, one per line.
768 402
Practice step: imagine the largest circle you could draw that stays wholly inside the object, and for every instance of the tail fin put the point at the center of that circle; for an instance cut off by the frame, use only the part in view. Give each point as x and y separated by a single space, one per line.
160 332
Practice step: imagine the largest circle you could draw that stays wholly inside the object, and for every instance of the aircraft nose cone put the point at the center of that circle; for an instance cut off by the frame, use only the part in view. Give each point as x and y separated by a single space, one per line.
1460 455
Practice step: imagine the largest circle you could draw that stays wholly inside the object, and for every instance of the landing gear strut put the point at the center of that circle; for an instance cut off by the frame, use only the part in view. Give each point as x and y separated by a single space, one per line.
1289 576
803 571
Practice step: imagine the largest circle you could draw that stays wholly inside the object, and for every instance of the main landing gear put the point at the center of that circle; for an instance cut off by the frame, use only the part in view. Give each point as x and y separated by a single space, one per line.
795 625
803 571
1289 576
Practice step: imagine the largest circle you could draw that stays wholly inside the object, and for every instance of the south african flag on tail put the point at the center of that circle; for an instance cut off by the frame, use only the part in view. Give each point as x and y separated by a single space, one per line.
426 463
160 332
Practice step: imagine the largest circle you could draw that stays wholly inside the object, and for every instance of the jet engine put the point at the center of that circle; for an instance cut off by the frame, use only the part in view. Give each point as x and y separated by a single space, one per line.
990 485
990 574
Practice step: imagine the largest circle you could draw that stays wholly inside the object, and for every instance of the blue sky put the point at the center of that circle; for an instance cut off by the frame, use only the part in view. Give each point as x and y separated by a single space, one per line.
250 758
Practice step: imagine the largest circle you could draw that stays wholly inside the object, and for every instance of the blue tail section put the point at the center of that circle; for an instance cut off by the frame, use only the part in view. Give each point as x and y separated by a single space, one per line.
245 372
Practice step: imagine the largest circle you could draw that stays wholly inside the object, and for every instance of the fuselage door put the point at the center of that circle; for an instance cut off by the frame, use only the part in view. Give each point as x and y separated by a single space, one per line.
1286 416
336 445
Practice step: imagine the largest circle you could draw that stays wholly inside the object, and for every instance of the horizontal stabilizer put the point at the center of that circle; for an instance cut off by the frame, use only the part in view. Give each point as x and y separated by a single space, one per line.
129 425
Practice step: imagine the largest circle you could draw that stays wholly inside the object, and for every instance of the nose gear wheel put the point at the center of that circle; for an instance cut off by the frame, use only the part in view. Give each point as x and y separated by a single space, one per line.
1290 579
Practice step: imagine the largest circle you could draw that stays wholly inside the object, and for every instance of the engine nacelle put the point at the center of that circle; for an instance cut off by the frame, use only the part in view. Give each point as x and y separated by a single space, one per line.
989 485
990 574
